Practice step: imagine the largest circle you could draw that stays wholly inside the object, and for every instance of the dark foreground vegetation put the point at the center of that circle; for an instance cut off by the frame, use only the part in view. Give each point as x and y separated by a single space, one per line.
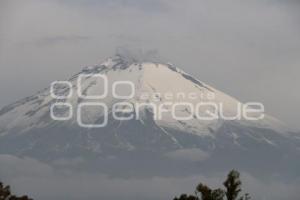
232 189
5 194
231 192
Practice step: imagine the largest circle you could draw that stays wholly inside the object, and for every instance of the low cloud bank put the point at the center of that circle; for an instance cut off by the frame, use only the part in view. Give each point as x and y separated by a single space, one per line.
43 182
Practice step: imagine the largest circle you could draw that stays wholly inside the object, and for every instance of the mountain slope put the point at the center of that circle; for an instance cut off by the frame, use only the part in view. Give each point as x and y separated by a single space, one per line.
27 129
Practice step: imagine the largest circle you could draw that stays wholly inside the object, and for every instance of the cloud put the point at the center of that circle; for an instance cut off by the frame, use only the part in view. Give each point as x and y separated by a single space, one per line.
40 181
143 5
61 39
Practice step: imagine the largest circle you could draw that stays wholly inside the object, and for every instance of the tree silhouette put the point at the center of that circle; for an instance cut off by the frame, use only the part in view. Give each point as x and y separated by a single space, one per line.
232 190
186 197
5 194
233 185
207 193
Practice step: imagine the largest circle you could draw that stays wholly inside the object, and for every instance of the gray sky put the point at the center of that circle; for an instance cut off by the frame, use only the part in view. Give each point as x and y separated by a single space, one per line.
248 49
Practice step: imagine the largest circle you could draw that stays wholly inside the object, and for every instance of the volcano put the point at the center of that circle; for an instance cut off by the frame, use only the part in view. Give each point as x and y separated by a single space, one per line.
174 145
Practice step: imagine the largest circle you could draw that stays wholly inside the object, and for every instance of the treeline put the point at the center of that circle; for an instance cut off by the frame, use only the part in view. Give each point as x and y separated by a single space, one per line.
231 192
5 194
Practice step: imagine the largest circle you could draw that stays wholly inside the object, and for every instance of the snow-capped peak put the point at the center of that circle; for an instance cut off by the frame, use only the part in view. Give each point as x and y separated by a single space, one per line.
149 79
